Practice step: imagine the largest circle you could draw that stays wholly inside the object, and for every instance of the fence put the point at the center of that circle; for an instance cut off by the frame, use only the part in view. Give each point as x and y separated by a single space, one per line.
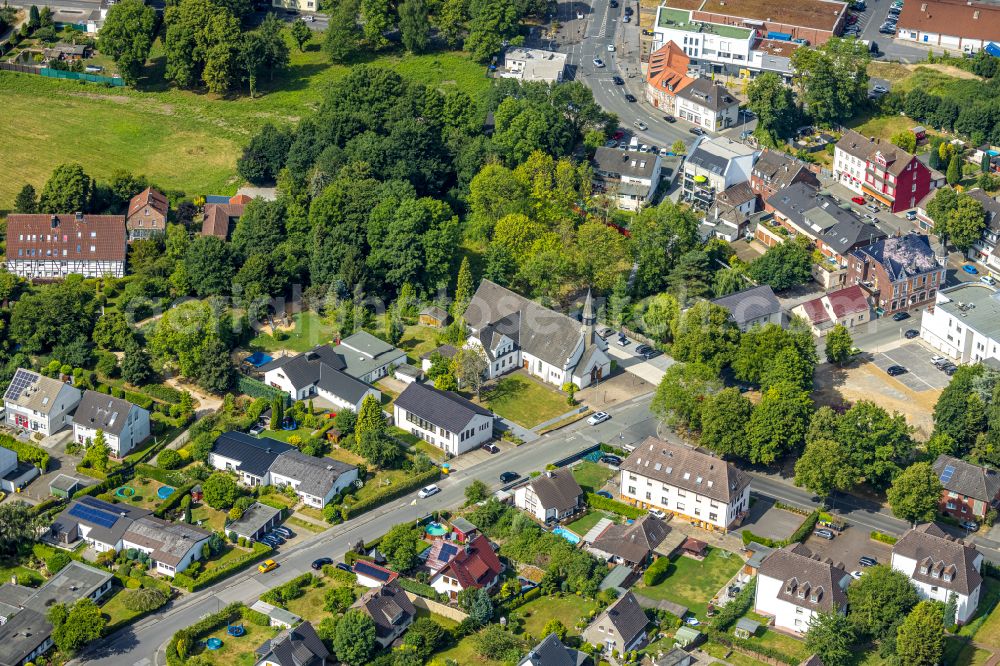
61 74
436 607
640 337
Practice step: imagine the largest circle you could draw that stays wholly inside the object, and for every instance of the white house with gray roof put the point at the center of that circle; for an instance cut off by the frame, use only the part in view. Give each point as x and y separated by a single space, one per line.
38 403
171 547
316 480
713 166
793 586
339 375
629 177
442 418
751 307
515 332
708 104
552 495
620 627
124 425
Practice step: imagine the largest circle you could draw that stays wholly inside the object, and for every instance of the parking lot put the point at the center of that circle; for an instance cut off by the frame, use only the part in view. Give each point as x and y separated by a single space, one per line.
768 521
921 374
848 547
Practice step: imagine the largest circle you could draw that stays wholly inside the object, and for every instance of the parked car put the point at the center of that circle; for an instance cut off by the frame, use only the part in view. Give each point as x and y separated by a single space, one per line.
611 460
867 561
824 534
872 207
970 269
900 316
858 200
670 119
267 565
627 19
598 63
284 531
879 88
650 354
343 566
492 448
970 525
614 4
509 477
950 369
629 11
605 494
641 126
642 349
912 333
427 491
599 417
320 563
697 131
987 279
630 98
605 332
622 341
618 134
938 360
275 538
619 81
887 30
856 575
611 48
911 215
656 513
895 370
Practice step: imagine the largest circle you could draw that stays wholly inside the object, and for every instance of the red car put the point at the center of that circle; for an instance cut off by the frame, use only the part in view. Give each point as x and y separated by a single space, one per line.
858 200
618 134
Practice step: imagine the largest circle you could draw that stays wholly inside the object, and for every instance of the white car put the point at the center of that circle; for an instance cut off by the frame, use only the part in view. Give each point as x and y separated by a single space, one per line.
656 513
856 575
641 126
309 18
427 491
611 48
599 417
938 359
598 63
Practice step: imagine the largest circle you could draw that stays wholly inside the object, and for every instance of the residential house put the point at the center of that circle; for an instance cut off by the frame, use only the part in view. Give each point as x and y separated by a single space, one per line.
714 165
442 418
38 403
964 26
676 657
171 547
705 490
964 323
628 177
391 611
847 307
475 565
551 496
552 652
527 64
297 5
147 215
666 75
729 216
632 545
125 426
298 646
368 358
793 586
50 247
775 170
985 250
427 358
620 627
708 104
268 462
257 520
25 632
101 525
320 372
221 217
900 272
941 567
755 306
370 574
881 171
14 475
968 491
515 332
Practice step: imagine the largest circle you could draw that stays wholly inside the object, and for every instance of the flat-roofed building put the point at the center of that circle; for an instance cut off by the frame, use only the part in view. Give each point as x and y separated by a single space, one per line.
964 323
958 25
814 21
525 64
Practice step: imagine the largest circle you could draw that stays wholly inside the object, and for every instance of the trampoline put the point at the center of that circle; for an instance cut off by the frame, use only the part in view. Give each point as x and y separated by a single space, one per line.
289 424
258 359
235 630
213 643
125 491
437 529
164 492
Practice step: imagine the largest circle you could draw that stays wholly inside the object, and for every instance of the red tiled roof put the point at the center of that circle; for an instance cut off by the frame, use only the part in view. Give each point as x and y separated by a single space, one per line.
815 311
240 199
66 237
668 66
848 301
475 565
217 218
148 197
971 20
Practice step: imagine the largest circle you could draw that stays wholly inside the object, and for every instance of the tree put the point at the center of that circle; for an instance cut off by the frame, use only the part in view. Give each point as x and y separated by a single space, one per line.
778 424
774 105
478 604
98 452
915 493
371 419
414 25
966 222
376 17
469 367
476 491
554 626
220 491
169 459
354 637
940 207
378 448
54 315
112 331
26 200
400 546
340 42
831 637
215 368
425 636
201 42
75 627
785 265
18 525
920 638
951 411
833 78
950 610
906 140
822 468
789 367
705 333
954 173
724 419
209 264
68 190
338 599
135 368
497 643
34 20
839 345
491 23
681 395
880 600
127 36
300 33
450 21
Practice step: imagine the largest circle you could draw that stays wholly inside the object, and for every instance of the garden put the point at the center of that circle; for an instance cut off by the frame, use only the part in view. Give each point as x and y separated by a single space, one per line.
591 476
524 400
694 583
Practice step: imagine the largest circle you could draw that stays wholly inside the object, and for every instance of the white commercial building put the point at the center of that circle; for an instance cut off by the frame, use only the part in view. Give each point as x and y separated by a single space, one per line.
965 323
525 64
38 403
793 586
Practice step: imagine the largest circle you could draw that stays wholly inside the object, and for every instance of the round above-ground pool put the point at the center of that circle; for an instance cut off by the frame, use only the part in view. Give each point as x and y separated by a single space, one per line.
436 529
125 491
213 643
236 630
164 492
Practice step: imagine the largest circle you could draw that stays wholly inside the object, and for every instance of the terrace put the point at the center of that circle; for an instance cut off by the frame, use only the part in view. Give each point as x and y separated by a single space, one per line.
678 19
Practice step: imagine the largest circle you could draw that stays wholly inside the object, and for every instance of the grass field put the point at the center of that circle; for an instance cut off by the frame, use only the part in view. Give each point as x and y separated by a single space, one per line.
693 583
156 128
583 525
236 651
524 400
309 330
591 476
418 340
567 609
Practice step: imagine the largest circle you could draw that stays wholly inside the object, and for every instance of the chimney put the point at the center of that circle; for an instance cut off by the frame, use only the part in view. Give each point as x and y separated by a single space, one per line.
55 221
79 216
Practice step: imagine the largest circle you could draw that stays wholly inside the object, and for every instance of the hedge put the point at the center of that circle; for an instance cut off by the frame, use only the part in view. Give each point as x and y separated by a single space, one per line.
28 453
163 393
417 588
175 498
258 389
656 572
167 476
736 608
883 538
520 600
391 493
260 551
277 595
595 501
140 399
180 644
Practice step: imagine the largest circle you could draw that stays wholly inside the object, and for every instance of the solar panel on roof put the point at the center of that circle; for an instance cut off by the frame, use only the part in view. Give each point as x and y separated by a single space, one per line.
366 569
448 551
22 380
946 475
92 515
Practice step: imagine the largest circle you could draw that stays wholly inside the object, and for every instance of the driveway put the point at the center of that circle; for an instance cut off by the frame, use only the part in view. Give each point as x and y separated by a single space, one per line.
921 374
60 462
651 370
766 520
849 546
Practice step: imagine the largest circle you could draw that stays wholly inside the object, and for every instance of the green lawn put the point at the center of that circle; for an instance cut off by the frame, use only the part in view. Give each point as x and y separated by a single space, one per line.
723 652
583 525
525 400
236 651
985 624
568 609
445 622
693 583
310 605
432 452
152 130
959 652
418 340
283 435
10 568
309 330
231 553
301 525
591 476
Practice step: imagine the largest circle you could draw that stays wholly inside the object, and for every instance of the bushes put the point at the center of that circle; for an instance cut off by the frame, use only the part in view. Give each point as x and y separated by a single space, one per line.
169 459
258 389
416 588
144 600
281 595
391 493
614 506
140 399
883 538
175 498
163 393
656 572
736 608
260 551
26 452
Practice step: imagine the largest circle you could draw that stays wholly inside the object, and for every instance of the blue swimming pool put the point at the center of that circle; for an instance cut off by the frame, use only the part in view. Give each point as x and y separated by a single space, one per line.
566 534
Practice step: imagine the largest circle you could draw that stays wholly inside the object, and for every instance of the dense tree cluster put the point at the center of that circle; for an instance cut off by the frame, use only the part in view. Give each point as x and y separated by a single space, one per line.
832 79
967 416
967 107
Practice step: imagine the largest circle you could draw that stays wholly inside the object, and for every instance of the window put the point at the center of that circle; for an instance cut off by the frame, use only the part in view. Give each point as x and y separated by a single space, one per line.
713 517
649 496
680 507
631 490
664 500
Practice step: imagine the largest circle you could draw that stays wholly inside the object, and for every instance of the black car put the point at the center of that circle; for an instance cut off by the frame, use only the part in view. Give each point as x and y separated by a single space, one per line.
900 316
630 98
670 119
912 333
320 563
642 349
343 567
950 370
619 81
895 370
611 460
697 131
866 561
628 11
652 353
614 4
509 477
